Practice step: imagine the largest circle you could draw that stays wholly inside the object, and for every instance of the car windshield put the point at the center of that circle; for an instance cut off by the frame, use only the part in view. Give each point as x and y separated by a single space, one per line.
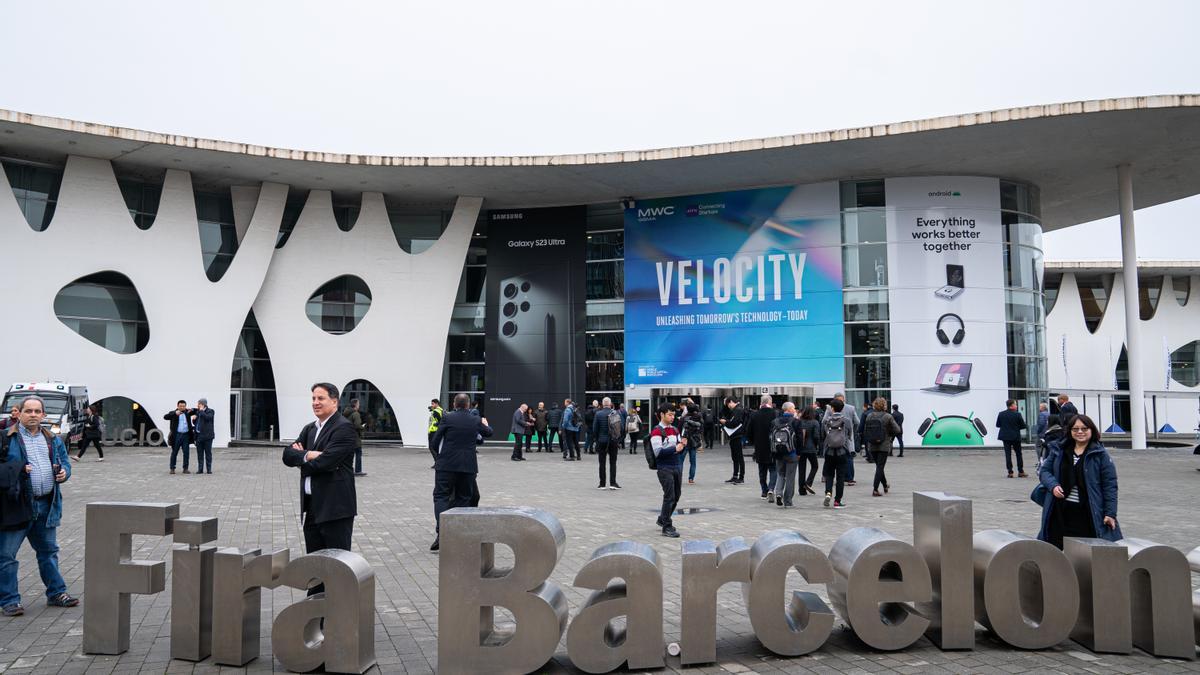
54 403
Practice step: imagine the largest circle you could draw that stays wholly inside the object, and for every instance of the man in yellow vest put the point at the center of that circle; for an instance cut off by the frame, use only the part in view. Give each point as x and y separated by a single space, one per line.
435 420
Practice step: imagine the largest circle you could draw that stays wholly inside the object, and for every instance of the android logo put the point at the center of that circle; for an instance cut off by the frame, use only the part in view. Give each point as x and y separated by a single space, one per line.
952 430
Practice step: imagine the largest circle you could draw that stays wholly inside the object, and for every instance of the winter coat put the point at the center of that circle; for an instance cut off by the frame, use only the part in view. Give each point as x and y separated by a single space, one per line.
16 454
1100 476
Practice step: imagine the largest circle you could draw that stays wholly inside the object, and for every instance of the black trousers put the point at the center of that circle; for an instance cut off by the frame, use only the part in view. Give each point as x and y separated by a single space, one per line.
516 453
607 449
543 440
739 460
835 472
452 489
672 487
812 468
709 432
880 461
634 441
1009 448
329 534
570 443
83 444
900 440
432 450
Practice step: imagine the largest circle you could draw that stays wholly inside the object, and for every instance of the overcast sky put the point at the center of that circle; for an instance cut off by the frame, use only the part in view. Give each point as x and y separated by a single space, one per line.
508 78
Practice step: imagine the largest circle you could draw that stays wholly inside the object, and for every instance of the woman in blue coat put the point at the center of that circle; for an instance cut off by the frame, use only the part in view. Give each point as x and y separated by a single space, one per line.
1080 484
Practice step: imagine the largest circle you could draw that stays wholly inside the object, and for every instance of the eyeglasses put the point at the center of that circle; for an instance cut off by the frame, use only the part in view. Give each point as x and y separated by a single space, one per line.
1080 430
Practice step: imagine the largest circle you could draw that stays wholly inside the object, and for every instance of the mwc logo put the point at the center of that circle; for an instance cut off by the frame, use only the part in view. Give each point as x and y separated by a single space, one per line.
654 212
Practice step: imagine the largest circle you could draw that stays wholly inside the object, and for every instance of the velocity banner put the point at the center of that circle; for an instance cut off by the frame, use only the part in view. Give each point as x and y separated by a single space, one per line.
734 288
536 309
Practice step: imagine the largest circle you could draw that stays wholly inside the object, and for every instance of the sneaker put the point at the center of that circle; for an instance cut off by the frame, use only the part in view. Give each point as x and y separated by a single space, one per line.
74 458
100 459
886 488
779 501
1022 474
670 532
614 486
63 600
13 610
850 482
770 495
765 497
739 482
876 493
828 498
601 486
809 490
437 543
732 481
839 505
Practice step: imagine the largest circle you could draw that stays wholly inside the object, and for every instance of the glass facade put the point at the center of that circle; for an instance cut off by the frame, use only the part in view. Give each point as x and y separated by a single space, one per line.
104 308
253 407
1025 299
142 200
218 236
865 296
605 339
377 413
339 305
35 187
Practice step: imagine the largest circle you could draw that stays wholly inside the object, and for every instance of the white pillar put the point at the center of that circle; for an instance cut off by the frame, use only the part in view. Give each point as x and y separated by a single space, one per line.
1133 326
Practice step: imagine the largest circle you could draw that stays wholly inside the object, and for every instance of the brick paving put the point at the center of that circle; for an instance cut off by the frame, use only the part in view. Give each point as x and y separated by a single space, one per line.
255 498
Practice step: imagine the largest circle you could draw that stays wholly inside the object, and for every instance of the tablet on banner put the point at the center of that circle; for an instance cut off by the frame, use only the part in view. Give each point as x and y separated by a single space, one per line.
734 288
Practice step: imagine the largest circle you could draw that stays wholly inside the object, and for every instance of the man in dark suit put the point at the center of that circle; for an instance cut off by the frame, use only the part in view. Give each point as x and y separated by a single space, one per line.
456 467
324 452
204 424
181 428
1009 425
760 435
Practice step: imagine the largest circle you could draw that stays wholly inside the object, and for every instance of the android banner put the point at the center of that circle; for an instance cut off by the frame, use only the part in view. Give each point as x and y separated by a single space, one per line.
946 297
536 310
734 288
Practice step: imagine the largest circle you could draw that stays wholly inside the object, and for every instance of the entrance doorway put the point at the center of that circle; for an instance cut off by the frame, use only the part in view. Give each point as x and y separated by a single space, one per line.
235 416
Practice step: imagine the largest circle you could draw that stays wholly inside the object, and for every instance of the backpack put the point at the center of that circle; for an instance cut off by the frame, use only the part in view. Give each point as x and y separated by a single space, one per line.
782 440
651 456
873 432
614 426
835 433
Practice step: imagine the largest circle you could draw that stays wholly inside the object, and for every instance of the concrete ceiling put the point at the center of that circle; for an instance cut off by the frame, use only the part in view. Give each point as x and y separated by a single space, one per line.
1068 150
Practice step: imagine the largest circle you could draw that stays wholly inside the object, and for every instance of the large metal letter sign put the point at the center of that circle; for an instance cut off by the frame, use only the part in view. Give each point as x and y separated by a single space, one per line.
1194 563
942 535
240 577
1003 592
707 567
806 622
1160 580
875 577
192 588
346 644
469 587
110 574
593 644
1100 568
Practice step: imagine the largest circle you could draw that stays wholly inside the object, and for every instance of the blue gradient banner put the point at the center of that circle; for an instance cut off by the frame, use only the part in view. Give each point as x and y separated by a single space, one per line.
734 288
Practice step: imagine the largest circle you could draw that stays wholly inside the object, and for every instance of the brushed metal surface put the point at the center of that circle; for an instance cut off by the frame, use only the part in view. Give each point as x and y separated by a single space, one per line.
238 579
876 578
803 624
1026 591
625 581
346 641
707 567
942 535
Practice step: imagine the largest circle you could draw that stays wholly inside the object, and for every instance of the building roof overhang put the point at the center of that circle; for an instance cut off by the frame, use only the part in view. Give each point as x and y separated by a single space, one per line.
1069 150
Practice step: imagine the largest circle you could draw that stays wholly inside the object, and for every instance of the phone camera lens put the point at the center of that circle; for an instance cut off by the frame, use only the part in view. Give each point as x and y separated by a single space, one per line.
510 309
524 286
510 290
525 306
509 329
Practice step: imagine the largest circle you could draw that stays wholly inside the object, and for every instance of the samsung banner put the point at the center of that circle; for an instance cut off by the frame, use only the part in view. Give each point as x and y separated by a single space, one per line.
946 297
734 288
536 309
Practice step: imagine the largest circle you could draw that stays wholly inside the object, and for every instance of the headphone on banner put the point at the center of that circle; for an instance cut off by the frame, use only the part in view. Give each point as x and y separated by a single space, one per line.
958 337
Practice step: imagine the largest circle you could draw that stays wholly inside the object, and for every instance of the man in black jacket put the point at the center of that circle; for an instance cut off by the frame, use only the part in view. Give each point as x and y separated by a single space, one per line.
324 453
456 468
760 435
899 417
1009 425
204 425
181 428
733 420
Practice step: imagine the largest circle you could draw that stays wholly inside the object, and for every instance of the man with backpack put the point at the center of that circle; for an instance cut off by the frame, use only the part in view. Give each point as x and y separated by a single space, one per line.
837 448
786 437
851 415
879 428
607 429
761 424
570 431
666 446
734 423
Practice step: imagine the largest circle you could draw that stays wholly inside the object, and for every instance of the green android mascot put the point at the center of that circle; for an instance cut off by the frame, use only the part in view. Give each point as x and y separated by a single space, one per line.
952 430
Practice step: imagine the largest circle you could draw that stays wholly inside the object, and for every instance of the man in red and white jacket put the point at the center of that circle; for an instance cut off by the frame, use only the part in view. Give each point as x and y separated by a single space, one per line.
667 446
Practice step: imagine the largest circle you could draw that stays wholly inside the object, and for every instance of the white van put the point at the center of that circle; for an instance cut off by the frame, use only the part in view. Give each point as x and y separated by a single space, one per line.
65 405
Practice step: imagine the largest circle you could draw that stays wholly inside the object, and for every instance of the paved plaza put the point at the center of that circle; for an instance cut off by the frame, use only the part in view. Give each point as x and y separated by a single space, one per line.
256 499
